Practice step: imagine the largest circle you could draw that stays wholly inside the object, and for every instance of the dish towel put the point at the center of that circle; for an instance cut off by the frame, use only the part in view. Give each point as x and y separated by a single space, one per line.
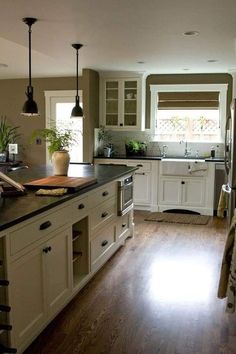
227 282
223 201
53 192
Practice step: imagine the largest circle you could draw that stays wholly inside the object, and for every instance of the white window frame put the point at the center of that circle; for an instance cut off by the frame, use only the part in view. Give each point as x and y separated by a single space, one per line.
49 104
221 88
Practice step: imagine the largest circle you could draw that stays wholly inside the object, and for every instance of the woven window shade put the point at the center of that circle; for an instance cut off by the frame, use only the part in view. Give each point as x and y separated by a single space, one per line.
188 100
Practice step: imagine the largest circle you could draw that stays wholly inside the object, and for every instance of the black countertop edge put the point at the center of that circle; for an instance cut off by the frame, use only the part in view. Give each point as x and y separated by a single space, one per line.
159 158
44 203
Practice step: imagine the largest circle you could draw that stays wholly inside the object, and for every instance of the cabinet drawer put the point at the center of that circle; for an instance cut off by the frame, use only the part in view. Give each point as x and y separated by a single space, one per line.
103 213
123 225
34 231
103 194
102 245
143 166
80 208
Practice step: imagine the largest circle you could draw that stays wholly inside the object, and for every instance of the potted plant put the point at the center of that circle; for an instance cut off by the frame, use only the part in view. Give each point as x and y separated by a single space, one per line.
105 138
59 142
135 148
8 135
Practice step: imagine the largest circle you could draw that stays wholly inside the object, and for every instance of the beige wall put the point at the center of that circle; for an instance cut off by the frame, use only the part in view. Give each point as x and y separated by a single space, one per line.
12 93
186 79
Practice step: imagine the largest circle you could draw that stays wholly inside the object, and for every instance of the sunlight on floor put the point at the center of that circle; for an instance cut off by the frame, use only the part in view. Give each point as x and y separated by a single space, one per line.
181 280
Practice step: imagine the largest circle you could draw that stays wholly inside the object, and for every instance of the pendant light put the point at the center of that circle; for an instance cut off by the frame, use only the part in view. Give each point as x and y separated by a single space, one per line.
77 110
30 107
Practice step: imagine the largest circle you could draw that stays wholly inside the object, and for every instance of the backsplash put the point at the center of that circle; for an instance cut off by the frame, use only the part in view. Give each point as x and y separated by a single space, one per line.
154 148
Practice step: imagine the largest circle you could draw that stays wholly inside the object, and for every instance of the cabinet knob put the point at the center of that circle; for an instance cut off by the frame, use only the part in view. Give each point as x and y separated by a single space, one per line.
104 243
104 214
123 225
139 165
45 225
47 249
81 206
104 194
182 182
121 124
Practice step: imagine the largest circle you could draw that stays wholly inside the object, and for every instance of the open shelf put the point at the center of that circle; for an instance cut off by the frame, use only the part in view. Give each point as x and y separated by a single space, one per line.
80 249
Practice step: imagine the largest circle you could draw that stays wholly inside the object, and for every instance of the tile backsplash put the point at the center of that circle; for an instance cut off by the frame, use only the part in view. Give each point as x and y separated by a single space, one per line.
154 148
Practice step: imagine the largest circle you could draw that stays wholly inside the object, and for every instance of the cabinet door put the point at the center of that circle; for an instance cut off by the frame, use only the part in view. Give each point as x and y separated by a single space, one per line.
142 188
193 192
58 260
111 104
170 191
130 107
27 297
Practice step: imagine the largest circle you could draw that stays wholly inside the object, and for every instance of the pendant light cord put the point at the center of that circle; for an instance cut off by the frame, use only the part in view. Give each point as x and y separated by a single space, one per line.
77 73
30 55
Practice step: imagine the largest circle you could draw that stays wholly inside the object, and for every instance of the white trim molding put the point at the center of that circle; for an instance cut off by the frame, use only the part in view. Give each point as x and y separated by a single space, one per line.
221 88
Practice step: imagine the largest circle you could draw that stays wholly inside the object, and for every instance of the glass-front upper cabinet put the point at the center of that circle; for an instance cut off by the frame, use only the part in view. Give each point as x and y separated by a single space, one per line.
121 103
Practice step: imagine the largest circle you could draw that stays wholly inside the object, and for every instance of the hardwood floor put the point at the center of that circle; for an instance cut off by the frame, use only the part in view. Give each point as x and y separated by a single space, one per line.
155 295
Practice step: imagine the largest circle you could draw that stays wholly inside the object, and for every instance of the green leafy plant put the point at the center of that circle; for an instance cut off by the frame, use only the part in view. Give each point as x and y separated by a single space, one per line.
57 139
104 136
8 134
135 147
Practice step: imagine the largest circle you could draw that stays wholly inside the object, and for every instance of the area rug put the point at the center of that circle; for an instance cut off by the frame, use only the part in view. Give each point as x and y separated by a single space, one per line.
178 218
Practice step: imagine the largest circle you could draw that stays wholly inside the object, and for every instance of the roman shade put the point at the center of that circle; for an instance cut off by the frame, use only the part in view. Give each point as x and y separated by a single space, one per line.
188 100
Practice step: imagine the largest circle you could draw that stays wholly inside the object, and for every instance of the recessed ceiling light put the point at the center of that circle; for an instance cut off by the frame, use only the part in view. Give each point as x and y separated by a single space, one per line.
212 60
191 33
2 65
140 62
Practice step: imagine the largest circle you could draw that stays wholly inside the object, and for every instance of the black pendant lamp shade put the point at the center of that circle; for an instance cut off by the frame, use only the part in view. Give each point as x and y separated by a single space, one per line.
77 110
30 107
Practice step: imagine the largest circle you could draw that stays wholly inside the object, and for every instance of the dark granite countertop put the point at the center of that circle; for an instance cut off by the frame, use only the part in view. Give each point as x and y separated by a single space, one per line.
16 209
158 158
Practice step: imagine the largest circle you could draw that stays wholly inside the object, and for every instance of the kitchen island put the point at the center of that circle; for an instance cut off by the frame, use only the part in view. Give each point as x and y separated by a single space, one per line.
50 247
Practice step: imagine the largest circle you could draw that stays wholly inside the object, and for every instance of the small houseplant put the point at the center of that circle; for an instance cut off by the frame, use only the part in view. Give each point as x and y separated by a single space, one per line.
135 148
105 139
8 135
58 143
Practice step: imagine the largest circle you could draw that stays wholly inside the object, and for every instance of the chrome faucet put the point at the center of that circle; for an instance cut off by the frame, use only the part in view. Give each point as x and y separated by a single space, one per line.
187 151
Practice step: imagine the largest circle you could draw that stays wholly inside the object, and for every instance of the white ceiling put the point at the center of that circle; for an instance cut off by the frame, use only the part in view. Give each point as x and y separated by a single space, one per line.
116 35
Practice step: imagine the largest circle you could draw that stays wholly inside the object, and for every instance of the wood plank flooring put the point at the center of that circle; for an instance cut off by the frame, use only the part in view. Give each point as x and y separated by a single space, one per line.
155 295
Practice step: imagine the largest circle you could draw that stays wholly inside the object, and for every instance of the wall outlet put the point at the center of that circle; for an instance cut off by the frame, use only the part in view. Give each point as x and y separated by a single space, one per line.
13 148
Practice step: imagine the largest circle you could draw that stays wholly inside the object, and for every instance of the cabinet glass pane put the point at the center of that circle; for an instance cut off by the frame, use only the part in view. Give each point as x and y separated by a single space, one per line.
130 106
130 119
111 119
130 84
112 106
111 94
112 84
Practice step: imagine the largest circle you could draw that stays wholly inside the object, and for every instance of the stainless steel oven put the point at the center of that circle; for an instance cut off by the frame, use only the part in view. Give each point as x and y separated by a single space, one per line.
125 195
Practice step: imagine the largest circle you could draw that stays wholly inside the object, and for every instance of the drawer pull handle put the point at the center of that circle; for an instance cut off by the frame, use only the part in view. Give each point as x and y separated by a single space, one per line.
140 173
4 282
5 308
45 225
47 249
104 214
139 165
123 225
104 243
104 194
81 206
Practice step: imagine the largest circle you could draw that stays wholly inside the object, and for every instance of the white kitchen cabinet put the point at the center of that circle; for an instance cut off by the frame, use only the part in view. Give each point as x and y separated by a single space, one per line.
40 285
193 190
178 192
145 181
121 103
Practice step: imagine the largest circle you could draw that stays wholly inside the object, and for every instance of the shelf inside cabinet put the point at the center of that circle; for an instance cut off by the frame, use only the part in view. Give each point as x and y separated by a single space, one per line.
80 250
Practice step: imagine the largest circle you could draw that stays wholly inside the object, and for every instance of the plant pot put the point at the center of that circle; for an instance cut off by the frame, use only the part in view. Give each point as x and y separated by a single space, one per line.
3 156
60 162
130 152
107 152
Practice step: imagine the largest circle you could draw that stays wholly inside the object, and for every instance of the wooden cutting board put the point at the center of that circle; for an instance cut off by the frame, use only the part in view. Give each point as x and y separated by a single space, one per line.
72 183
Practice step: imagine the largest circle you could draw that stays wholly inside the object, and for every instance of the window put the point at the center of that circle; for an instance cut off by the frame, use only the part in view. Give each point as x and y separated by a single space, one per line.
59 105
188 112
